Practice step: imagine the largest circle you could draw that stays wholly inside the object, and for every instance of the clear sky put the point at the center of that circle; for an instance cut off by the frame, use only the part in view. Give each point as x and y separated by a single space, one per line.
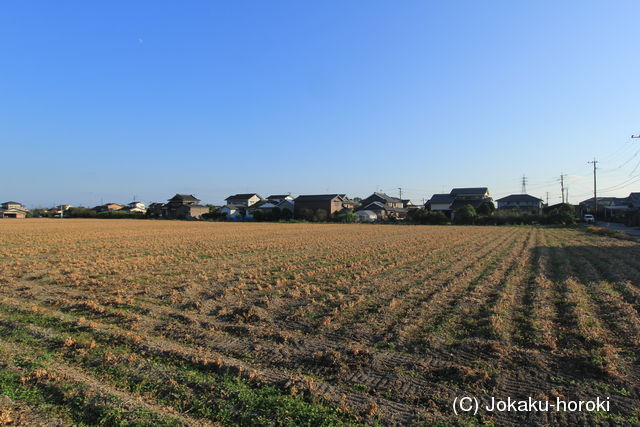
104 100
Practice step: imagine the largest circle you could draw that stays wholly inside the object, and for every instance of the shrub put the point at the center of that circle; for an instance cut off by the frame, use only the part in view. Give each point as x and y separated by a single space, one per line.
465 215
422 216
347 216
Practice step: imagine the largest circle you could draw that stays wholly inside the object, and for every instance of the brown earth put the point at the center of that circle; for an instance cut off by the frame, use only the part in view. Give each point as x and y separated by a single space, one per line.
388 323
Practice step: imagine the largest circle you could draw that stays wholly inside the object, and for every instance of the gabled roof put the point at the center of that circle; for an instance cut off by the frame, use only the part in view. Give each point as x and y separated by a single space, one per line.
13 203
600 200
375 206
244 196
185 198
441 198
278 196
311 197
470 190
379 206
385 197
519 198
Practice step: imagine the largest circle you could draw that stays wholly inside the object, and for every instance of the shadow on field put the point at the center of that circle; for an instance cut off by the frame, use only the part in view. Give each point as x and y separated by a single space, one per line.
592 262
592 285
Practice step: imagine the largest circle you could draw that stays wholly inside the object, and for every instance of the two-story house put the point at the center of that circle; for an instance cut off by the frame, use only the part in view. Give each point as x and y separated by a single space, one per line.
185 206
245 200
319 206
521 202
13 210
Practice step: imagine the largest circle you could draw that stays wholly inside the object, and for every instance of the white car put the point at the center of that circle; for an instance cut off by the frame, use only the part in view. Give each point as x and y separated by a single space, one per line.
589 218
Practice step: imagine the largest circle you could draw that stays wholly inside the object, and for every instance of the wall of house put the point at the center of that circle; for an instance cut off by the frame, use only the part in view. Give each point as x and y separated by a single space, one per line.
330 206
440 206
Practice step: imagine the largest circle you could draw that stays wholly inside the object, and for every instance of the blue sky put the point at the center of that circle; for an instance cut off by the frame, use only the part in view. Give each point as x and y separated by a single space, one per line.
101 101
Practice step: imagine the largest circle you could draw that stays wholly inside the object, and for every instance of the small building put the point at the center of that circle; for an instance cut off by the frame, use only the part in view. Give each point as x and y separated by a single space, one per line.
233 211
458 198
264 206
319 206
440 202
136 207
13 210
184 206
246 200
108 207
392 202
384 212
471 193
12 213
408 204
521 202
279 198
366 216
58 211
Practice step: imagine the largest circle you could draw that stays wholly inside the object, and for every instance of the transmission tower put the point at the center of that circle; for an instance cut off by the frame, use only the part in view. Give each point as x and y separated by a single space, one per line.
524 185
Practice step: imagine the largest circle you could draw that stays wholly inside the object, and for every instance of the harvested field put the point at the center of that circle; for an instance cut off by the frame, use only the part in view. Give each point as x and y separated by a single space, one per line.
192 323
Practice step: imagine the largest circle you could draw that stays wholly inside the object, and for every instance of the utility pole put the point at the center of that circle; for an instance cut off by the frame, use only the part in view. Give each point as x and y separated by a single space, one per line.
595 197
400 189
547 198
524 185
562 186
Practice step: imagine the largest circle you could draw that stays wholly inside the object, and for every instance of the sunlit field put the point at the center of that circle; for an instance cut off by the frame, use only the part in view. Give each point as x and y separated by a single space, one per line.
125 321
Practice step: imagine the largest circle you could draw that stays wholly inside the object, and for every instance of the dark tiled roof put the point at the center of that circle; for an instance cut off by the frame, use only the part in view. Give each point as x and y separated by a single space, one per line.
185 198
386 197
441 198
245 196
519 198
278 196
379 206
308 197
471 190
14 203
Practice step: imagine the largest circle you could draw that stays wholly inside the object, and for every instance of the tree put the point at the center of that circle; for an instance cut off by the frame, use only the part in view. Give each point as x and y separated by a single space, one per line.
486 208
466 215
347 216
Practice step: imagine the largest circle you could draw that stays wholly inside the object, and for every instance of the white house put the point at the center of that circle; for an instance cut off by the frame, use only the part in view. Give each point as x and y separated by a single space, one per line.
231 211
137 207
441 202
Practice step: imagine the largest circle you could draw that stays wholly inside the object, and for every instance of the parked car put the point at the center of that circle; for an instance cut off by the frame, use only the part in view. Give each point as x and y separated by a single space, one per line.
588 218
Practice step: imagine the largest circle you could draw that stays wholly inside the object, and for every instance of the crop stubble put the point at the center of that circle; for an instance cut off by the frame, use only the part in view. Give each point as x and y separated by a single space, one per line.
158 320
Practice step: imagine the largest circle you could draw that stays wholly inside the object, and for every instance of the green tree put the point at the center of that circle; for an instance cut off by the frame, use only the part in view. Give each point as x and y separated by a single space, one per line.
486 208
465 215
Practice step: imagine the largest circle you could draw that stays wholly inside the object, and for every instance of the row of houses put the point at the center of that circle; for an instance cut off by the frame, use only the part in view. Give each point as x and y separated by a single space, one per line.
378 206
620 209
479 196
